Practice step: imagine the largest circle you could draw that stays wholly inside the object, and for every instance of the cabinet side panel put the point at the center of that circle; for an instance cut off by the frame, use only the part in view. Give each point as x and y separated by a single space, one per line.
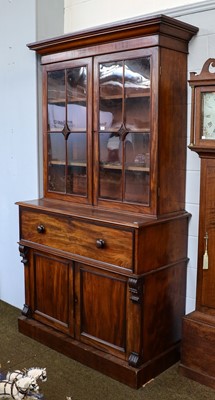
164 305
162 244
172 131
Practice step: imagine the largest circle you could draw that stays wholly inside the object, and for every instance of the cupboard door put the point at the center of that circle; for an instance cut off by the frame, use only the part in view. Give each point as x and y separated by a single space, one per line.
101 309
51 291
123 127
67 130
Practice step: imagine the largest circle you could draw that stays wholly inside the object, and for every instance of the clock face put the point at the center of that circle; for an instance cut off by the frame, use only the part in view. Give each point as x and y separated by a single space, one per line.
208 115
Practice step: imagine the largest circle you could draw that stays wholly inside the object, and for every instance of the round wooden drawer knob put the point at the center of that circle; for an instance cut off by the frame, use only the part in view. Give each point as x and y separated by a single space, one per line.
100 243
41 229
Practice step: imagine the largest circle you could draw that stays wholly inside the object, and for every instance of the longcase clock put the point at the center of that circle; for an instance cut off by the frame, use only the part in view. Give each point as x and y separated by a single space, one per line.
198 344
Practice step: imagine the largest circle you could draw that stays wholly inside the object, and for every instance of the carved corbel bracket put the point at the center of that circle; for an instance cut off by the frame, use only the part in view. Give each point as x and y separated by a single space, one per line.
134 360
26 311
23 250
136 290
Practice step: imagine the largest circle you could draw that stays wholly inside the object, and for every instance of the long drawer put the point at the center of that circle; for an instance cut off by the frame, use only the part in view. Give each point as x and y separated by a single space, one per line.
88 239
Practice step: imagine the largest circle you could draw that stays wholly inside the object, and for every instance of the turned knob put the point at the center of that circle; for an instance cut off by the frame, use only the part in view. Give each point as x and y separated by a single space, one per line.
100 243
41 229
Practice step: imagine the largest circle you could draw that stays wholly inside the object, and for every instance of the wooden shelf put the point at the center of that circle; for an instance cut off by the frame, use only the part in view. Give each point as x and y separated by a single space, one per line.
112 166
70 164
131 167
58 130
145 130
106 93
71 100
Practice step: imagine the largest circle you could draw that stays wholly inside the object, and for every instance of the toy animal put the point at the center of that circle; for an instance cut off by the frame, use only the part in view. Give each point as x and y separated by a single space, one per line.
34 372
18 389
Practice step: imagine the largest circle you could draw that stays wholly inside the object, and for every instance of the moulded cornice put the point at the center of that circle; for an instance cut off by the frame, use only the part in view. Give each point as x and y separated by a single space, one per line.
132 28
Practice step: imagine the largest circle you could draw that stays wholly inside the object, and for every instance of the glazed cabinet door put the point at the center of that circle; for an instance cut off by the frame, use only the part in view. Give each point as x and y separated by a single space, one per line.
124 169
49 290
67 130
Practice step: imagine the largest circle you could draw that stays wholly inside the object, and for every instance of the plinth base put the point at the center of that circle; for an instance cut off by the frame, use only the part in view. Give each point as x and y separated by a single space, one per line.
96 359
198 348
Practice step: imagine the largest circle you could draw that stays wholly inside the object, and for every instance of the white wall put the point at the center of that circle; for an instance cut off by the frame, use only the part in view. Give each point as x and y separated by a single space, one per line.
81 14
18 135
18 127
49 18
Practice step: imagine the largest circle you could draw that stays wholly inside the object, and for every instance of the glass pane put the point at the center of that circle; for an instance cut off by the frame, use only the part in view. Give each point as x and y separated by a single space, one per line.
137 186
77 147
110 151
103 147
137 167
137 93
77 117
56 86
111 92
56 162
137 75
141 148
110 183
77 84
76 96
114 149
137 113
208 115
56 100
77 170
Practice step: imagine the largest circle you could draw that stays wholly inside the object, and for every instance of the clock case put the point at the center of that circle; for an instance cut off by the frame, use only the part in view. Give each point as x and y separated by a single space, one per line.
201 84
198 327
